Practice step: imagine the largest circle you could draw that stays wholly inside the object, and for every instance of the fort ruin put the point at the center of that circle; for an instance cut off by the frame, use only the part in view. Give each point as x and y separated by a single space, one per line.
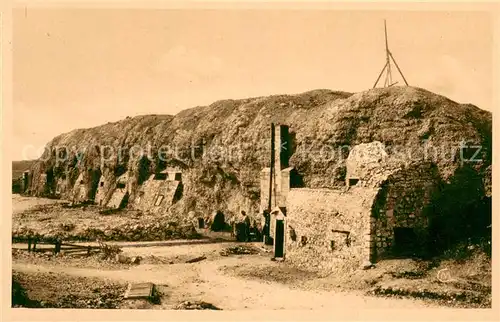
378 213
368 206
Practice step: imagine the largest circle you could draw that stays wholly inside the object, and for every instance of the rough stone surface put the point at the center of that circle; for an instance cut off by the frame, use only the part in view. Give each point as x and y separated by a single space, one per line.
370 164
402 202
222 148
330 226
156 195
120 190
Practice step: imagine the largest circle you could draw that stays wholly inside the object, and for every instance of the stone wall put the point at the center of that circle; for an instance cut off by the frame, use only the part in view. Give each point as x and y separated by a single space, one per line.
370 164
149 193
326 228
62 186
102 188
264 189
279 190
80 188
401 203
84 186
121 189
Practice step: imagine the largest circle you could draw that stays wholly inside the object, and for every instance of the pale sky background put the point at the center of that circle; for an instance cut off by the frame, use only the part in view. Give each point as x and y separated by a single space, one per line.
84 67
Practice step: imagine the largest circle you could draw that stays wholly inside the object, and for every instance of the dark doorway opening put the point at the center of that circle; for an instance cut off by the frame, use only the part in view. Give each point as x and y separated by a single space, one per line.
25 182
160 176
201 223
50 182
218 222
405 241
95 177
124 201
279 239
353 181
144 166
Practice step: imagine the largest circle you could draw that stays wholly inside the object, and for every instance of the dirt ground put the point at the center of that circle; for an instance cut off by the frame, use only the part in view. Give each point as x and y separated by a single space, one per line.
211 280
234 281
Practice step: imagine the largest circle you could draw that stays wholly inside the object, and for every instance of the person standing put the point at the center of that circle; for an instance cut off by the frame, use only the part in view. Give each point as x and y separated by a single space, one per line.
232 222
267 224
256 230
246 220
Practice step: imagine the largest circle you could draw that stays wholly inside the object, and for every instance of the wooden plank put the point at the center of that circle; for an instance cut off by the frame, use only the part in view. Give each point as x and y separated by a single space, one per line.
139 291
80 246
74 251
196 259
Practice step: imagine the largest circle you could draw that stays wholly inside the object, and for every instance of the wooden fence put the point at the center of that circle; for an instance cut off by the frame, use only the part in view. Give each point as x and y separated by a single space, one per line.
62 246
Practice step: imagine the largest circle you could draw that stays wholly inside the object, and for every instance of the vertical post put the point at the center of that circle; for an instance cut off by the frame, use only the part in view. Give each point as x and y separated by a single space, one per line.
29 244
387 58
57 248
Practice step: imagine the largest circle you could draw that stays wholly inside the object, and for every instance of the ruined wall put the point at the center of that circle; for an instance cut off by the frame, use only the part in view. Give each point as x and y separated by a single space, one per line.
85 186
369 164
264 189
80 189
279 190
43 182
396 116
120 191
157 195
330 227
62 186
102 188
401 203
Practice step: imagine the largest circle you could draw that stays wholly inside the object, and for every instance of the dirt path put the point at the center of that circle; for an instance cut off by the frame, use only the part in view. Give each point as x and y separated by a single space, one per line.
204 281
233 282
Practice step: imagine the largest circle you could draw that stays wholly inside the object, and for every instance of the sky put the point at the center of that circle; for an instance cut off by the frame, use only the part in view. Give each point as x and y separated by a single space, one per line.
78 68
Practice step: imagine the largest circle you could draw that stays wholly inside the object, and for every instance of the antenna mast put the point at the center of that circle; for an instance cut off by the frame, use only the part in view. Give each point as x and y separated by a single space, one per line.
387 67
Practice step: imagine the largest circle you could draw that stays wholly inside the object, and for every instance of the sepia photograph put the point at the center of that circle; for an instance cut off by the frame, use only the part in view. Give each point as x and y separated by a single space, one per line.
233 158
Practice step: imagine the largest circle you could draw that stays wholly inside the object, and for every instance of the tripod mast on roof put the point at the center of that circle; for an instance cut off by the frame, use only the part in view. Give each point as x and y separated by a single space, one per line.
387 67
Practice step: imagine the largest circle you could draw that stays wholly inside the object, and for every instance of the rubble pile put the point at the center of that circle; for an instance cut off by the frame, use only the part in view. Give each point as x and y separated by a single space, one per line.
56 222
239 250
48 290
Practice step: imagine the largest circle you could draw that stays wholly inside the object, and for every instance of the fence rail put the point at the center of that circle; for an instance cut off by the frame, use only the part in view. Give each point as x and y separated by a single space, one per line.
61 246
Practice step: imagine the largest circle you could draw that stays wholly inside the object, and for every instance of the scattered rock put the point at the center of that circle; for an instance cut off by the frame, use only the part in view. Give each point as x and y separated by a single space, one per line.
239 250
367 265
196 305
122 259
136 260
